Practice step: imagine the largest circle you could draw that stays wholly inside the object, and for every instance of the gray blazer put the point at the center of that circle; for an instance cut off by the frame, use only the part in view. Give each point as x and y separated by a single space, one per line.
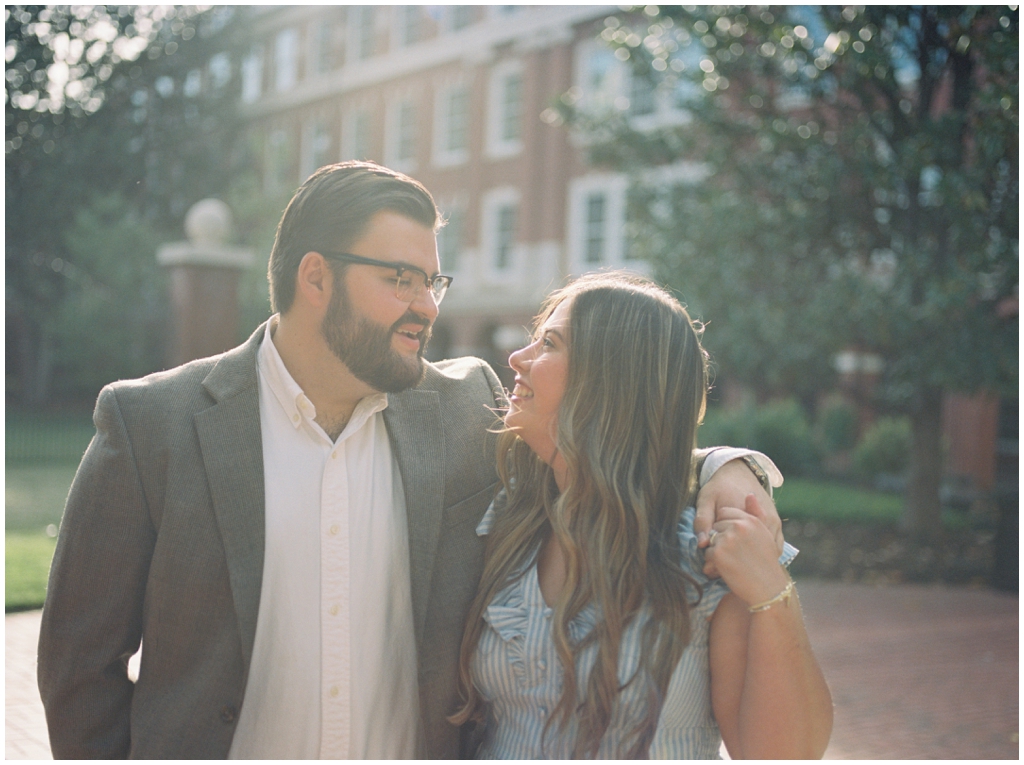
162 540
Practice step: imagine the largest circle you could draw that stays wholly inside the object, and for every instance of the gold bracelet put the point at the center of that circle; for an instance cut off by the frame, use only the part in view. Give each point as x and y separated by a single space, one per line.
782 596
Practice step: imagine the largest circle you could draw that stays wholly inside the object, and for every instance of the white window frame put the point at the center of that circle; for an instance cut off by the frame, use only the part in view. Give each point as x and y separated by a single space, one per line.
497 145
252 75
316 139
393 133
491 204
286 59
613 186
350 148
443 154
615 93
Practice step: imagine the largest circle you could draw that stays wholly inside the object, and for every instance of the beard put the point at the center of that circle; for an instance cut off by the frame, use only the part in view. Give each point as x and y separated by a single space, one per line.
365 347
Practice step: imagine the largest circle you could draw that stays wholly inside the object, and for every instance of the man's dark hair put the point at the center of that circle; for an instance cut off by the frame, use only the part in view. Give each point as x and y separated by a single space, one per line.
331 210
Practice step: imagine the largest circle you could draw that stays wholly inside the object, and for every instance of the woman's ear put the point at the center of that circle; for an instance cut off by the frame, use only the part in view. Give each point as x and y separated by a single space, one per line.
314 281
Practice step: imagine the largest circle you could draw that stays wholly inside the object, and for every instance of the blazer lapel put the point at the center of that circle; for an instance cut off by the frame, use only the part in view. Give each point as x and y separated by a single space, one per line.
413 420
232 446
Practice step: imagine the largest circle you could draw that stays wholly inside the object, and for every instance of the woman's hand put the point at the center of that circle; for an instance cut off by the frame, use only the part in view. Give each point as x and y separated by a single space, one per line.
743 551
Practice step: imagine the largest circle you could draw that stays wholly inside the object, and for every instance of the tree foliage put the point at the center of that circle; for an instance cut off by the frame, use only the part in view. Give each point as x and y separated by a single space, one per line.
859 189
128 103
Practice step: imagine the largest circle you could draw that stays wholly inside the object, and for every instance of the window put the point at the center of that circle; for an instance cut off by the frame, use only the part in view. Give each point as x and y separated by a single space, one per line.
220 70
316 144
449 240
461 16
594 234
597 217
364 34
252 76
451 126
505 118
499 226
505 236
322 50
401 139
286 59
409 27
279 161
356 136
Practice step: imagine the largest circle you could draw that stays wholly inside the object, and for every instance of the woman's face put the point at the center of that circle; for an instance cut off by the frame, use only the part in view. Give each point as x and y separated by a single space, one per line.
541 370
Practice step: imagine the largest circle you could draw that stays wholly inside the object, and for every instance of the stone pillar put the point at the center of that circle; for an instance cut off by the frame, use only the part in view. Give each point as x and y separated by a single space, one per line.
204 276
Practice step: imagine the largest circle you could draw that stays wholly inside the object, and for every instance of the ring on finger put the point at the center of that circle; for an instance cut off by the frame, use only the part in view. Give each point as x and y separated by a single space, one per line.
711 537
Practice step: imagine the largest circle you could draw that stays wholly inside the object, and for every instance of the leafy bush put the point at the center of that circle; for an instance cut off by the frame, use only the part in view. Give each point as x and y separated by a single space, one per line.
837 424
885 448
781 431
778 429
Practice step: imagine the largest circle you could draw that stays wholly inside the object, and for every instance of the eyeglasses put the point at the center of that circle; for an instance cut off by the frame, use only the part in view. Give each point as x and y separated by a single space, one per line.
410 282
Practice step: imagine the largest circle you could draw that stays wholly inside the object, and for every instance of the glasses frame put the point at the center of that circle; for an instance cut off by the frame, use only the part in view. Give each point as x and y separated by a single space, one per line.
437 292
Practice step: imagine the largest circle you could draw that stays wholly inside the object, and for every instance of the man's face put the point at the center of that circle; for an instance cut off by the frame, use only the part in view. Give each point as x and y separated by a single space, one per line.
380 338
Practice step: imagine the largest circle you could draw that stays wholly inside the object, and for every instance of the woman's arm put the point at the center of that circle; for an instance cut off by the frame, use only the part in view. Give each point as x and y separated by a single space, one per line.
767 690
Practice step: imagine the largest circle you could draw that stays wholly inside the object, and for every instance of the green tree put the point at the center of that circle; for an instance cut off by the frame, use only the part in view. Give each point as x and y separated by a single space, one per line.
104 103
859 189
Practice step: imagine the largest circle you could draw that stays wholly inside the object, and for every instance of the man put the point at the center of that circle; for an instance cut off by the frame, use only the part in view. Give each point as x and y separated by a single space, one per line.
288 527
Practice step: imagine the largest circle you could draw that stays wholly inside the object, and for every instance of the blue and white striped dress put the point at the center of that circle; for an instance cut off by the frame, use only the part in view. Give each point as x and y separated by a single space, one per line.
516 670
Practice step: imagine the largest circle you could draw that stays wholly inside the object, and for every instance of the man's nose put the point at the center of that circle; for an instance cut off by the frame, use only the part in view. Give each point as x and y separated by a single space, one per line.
425 306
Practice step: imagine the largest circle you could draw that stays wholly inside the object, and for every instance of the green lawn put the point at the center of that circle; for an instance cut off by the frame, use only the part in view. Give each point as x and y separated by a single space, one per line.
34 500
26 568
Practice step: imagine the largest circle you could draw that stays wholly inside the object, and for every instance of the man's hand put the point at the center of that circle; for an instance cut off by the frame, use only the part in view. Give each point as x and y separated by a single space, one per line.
729 487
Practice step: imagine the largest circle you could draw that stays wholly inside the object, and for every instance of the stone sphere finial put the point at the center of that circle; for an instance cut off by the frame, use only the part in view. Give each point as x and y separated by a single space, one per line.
208 222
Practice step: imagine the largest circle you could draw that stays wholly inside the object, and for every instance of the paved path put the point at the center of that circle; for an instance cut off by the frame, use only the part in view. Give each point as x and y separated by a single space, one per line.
916 672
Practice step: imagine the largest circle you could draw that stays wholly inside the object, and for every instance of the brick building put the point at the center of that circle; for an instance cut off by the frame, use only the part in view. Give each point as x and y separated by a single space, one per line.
453 95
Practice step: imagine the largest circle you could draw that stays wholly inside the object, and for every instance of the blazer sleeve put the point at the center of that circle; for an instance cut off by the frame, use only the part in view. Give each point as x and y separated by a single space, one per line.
92 619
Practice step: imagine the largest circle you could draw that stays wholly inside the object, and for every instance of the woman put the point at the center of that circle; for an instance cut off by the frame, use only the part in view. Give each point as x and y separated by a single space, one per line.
595 632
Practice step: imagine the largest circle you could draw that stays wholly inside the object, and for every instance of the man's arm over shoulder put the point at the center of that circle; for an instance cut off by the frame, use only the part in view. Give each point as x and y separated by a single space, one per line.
92 620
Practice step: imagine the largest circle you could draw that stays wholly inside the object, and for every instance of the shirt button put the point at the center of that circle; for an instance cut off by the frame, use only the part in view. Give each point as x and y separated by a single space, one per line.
334 455
227 713
333 531
295 418
333 691
334 610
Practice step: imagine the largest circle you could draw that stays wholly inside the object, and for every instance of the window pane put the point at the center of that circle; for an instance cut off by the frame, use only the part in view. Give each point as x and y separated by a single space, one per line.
365 33
462 16
406 147
409 24
361 137
512 107
322 56
594 239
505 236
252 76
458 119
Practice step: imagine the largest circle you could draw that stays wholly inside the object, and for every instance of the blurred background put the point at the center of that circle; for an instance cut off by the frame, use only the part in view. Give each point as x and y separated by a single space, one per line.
832 190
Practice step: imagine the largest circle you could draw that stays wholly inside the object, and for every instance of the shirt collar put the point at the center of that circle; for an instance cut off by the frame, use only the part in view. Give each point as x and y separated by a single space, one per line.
290 396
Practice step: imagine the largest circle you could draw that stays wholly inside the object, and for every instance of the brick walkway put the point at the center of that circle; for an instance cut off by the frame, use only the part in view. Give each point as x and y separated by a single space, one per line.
916 672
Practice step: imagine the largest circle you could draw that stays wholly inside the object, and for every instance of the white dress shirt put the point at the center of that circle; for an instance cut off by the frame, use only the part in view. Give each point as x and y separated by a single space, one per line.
333 671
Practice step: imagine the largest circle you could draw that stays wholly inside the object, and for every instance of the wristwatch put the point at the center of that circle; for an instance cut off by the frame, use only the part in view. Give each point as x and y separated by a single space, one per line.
758 471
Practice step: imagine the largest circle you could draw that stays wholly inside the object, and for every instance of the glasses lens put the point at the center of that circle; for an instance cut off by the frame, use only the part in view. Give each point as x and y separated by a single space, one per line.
438 287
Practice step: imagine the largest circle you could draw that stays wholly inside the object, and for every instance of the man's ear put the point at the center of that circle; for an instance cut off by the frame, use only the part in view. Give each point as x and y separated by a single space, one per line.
314 282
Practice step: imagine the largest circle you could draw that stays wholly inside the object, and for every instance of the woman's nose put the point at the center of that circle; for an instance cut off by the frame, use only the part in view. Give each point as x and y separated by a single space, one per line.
518 359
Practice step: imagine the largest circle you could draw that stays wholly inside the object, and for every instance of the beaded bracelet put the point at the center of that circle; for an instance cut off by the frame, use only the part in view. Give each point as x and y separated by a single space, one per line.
782 596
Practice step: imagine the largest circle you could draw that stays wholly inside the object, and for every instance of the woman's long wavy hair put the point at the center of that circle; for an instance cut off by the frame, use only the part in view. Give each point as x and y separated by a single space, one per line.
627 427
